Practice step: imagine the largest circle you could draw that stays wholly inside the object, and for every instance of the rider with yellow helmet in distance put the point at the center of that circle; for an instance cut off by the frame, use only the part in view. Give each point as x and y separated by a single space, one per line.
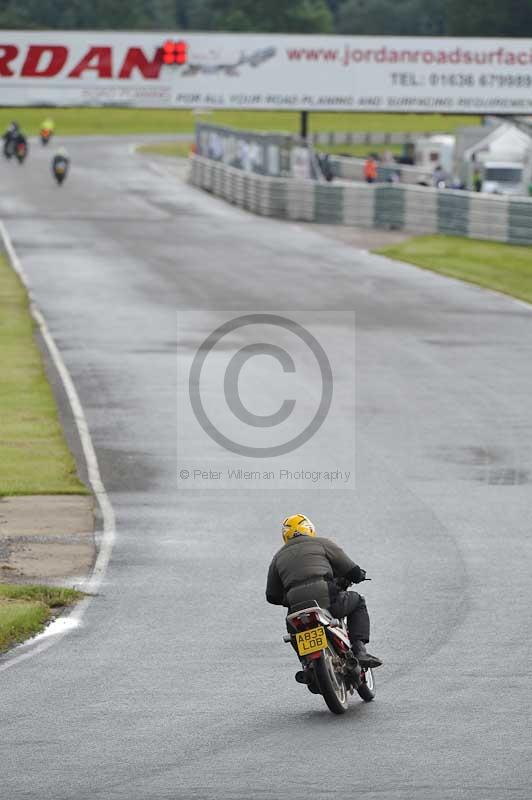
311 568
47 130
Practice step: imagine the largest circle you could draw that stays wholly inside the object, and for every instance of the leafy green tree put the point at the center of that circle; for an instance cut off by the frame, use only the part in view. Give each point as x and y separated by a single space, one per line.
89 14
393 17
279 16
490 18
377 17
158 14
182 13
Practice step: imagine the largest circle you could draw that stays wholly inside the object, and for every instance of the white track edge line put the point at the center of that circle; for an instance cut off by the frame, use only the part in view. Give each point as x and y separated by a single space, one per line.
56 630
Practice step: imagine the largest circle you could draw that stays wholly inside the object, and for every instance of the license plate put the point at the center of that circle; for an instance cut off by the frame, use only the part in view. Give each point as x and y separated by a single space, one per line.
311 641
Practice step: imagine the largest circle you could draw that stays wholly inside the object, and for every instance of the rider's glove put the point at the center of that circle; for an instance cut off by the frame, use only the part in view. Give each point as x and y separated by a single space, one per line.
342 583
356 575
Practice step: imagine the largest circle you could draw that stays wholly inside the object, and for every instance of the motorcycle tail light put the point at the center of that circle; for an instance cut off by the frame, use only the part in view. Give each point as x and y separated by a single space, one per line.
310 618
305 620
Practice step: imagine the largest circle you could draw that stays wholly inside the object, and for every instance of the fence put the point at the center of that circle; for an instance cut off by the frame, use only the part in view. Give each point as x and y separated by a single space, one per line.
273 154
373 138
261 153
278 154
415 209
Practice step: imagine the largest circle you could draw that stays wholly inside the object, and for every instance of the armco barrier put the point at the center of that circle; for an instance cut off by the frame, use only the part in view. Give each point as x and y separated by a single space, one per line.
415 209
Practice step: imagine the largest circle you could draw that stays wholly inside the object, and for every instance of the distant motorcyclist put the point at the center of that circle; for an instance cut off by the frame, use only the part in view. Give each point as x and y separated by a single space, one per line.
9 137
311 568
19 145
47 130
60 165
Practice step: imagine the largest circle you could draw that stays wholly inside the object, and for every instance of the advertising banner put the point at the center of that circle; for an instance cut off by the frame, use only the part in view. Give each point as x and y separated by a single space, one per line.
266 71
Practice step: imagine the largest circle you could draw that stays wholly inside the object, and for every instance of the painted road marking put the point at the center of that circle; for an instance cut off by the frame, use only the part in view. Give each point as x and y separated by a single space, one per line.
64 624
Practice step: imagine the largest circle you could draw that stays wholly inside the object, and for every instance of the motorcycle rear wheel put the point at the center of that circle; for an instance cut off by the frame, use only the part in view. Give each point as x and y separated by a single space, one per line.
332 686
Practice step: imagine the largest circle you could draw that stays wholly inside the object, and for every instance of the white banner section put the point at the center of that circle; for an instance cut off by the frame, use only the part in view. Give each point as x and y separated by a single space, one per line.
333 73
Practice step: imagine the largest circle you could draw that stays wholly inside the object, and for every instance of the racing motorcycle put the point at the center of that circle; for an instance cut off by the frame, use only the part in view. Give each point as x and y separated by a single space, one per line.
46 135
324 650
60 169
21 151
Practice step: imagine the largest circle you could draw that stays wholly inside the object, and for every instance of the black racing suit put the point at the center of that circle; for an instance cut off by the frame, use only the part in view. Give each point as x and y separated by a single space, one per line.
60 161
9 138
311 568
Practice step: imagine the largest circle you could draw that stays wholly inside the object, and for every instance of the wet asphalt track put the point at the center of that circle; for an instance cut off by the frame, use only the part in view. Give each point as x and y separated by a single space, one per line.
161 693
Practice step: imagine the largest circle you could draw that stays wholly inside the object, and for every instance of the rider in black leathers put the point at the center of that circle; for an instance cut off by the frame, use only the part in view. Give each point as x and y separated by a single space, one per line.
9 138
310 568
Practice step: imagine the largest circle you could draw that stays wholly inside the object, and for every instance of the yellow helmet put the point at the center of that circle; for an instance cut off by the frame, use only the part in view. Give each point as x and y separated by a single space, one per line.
297 525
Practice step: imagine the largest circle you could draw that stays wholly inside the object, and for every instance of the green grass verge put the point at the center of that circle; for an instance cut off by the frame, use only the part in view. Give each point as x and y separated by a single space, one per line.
79 121
506 268
34 457
170 149
359 150
182 149
25 610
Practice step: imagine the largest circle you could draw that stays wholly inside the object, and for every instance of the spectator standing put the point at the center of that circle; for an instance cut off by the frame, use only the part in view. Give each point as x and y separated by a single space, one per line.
477 180
439 177
370 170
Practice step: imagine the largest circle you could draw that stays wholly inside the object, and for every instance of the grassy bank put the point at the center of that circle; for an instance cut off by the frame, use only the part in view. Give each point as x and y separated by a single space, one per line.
182 149
34 457
170 149
25 610
506 268
80 121
360 150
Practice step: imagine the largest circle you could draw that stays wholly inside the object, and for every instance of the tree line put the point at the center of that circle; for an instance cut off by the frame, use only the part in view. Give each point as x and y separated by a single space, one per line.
383 17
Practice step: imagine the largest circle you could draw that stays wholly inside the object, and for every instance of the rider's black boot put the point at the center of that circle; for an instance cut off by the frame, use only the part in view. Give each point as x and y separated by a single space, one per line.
301 677
364 658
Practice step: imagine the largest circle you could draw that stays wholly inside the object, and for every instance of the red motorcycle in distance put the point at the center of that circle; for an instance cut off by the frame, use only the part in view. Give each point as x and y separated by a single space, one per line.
21 150
328 664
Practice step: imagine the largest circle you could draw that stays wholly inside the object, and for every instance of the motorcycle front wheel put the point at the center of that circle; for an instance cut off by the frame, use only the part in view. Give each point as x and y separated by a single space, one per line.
332 685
